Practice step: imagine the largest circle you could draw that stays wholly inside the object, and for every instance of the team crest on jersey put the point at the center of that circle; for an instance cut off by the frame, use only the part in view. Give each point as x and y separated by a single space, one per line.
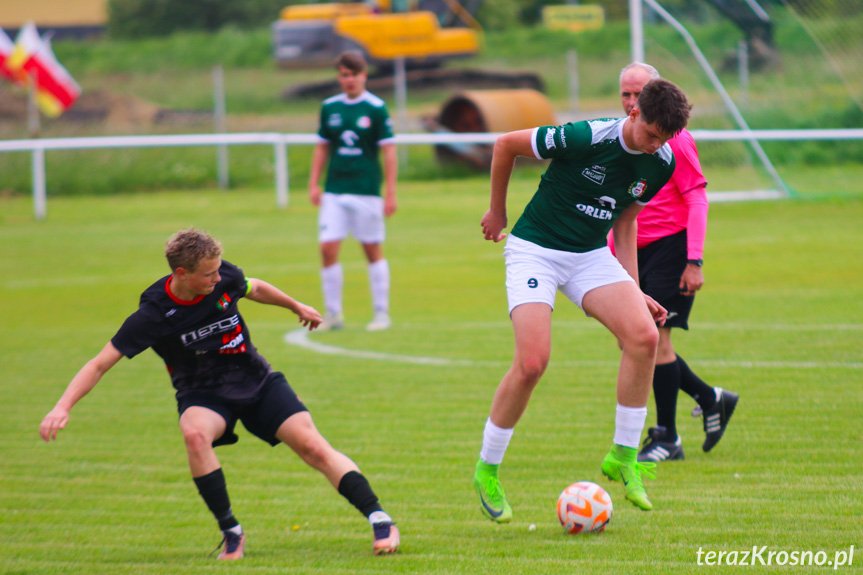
334 121
364 122
224 302
636 190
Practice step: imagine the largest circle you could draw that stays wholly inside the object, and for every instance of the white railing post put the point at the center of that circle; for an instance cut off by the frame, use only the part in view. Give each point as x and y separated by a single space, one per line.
222 168
636 31
40 203
281 151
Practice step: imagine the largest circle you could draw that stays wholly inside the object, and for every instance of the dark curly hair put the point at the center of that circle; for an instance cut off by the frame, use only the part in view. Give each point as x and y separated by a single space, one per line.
665 105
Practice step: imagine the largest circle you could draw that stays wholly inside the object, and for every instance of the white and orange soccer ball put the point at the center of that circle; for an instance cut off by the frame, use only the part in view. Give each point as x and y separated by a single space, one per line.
584 507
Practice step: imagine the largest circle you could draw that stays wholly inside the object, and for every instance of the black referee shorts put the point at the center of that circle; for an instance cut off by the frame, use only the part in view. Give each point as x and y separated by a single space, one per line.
660 267
262 415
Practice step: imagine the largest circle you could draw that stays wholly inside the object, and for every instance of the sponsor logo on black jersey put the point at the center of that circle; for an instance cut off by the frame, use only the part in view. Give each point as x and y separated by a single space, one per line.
233 342
227 324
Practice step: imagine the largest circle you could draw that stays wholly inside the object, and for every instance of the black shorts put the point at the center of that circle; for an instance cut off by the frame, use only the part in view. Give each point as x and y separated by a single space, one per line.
262 415
660 267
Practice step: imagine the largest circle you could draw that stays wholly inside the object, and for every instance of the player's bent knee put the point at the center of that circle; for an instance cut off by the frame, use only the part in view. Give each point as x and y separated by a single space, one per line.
643 341
196 440
531 368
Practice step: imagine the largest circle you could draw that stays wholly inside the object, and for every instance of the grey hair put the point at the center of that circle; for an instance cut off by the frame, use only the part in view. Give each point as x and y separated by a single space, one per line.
654 74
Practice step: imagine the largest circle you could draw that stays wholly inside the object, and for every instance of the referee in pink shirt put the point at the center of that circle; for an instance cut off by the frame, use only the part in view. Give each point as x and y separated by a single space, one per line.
671 232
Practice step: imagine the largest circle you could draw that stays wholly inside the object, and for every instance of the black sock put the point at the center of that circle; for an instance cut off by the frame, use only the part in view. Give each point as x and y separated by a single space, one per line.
356 489
666 384
692 385
214 490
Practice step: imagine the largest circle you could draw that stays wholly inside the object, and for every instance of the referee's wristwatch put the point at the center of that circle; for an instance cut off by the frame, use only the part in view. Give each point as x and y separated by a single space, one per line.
699 262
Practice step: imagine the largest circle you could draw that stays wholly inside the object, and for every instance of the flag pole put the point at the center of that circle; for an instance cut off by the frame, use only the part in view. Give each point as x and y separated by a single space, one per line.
34 125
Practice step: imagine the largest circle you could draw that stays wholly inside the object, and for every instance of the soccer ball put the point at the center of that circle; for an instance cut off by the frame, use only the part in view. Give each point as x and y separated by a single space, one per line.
584 507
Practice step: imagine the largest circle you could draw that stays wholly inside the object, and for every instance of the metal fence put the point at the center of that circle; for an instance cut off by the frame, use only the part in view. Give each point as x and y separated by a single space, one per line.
281 142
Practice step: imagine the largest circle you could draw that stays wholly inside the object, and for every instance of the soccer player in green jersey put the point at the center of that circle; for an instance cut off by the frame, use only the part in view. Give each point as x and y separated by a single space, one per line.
354 125
601 174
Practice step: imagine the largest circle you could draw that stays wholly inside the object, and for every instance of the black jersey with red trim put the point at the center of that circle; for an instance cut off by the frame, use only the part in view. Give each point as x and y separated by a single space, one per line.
204 342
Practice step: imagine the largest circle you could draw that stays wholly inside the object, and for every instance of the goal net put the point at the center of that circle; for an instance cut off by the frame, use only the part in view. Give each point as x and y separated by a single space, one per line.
780 65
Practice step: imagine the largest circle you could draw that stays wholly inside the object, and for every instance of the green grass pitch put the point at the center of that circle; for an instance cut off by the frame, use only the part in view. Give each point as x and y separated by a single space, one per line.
780 321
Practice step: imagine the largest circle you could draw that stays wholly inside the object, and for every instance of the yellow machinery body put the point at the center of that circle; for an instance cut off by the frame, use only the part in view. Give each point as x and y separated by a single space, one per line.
312 35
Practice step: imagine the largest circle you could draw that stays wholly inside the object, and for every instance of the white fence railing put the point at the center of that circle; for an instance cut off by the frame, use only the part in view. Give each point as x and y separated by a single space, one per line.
280 143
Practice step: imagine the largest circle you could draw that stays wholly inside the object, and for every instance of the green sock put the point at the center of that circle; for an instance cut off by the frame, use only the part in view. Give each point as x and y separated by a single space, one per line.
484 468
625 454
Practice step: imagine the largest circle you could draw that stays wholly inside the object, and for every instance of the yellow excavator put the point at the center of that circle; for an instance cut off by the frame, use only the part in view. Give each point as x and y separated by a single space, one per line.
424 32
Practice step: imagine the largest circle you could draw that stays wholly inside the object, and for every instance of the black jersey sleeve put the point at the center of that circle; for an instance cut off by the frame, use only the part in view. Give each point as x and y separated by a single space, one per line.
140 331
238 280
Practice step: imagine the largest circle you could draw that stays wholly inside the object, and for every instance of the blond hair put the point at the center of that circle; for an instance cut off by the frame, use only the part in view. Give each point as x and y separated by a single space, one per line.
187 248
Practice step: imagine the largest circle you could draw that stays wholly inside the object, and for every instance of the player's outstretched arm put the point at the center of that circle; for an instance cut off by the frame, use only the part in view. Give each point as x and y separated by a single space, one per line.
85 380
263 292
506 149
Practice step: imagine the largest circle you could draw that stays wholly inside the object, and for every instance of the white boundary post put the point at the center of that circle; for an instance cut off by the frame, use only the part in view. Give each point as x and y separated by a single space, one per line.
40 201
219 109
572 73
281 151
636 31
401 105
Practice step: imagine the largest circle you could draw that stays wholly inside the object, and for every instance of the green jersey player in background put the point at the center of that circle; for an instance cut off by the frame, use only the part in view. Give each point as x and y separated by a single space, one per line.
601 174
354 125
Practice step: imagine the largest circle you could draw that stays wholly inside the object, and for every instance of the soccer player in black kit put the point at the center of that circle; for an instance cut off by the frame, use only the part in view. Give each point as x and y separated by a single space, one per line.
190 319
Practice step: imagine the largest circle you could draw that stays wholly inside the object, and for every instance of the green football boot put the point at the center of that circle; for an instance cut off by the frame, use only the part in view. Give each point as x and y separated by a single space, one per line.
620 464
492 498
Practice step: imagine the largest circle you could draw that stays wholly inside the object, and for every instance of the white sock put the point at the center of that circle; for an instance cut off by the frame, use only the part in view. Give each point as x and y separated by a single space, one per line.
495 440
628 425
379 517
236 530
379 282
332 280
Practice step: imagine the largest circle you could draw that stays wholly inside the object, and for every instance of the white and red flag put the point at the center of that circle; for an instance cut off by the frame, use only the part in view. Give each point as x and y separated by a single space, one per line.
33 60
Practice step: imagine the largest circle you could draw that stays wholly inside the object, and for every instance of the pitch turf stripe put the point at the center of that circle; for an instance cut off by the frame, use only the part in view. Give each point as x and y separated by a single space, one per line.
300 338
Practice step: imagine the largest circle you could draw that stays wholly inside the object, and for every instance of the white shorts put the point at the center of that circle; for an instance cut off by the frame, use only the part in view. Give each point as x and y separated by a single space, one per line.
361 216
534 273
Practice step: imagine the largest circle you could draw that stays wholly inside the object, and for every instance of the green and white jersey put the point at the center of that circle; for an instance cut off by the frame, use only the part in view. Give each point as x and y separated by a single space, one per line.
592 178
355 129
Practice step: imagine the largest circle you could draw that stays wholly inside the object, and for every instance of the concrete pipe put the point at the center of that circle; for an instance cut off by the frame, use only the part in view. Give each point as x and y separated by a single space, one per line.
488 111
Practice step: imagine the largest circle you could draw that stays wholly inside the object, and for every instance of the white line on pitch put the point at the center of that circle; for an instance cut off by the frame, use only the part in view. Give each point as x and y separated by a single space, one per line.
300 338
